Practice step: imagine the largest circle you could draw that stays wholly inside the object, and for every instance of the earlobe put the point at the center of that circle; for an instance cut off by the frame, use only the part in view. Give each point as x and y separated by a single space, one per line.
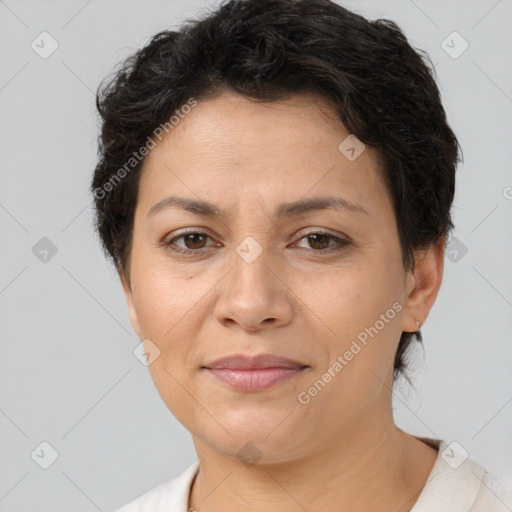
426 281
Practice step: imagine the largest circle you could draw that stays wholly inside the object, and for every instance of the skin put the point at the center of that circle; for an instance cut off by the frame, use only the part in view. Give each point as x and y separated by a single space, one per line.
293 301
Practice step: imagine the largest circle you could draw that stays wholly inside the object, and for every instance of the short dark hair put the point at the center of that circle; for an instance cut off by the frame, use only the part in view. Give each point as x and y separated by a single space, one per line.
382 89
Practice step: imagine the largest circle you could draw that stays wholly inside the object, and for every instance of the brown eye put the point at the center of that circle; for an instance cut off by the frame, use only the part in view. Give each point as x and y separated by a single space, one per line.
324 242
318 241
192 241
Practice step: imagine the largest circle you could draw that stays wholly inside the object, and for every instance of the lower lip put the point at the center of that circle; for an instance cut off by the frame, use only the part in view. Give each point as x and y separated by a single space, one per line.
255 380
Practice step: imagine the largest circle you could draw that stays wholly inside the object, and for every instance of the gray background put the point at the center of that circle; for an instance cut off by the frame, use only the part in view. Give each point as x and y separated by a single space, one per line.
68 374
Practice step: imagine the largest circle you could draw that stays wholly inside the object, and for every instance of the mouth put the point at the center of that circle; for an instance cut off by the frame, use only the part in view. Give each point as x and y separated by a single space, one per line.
257 373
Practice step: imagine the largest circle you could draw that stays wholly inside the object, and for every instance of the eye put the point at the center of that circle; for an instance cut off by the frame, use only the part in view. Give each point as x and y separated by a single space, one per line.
193 240
319 241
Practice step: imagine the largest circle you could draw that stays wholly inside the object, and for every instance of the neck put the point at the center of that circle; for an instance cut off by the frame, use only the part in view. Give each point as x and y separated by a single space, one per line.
370 469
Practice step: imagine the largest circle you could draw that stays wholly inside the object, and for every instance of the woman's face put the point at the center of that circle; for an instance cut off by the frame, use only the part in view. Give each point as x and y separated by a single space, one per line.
251 281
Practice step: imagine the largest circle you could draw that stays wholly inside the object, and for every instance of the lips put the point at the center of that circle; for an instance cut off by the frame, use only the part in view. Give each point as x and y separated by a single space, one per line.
262 361
257 373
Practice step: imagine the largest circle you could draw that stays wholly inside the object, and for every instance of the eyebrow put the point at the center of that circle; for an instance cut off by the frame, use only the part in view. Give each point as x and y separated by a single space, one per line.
210 210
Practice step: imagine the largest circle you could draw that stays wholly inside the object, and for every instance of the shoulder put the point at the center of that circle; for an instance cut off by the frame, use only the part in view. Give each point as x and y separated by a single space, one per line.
494 494
170 495
459 484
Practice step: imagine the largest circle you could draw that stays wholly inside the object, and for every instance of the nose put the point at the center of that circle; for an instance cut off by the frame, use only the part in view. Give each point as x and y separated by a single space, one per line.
254 295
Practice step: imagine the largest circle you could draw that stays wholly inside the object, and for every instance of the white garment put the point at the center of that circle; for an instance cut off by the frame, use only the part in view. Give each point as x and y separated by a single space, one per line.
450 487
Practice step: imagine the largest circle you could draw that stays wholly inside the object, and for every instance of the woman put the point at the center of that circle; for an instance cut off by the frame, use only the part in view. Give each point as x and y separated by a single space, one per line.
274 188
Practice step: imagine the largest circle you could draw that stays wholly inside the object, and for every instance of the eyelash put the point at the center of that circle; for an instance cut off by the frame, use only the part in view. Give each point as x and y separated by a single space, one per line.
341 242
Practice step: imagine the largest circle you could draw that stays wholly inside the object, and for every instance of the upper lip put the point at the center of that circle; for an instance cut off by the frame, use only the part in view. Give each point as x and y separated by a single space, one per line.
243 362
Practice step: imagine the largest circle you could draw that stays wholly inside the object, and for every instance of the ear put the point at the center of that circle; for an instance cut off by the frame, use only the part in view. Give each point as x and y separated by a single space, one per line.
128 294
423 285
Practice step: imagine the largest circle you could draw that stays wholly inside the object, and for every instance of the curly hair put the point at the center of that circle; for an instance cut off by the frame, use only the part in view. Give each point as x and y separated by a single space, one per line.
383 90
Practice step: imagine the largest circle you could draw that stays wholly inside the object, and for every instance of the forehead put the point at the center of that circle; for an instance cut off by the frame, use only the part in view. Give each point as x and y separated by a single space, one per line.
231 147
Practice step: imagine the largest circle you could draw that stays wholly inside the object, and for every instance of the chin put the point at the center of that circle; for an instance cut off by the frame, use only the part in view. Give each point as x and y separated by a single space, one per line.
256 432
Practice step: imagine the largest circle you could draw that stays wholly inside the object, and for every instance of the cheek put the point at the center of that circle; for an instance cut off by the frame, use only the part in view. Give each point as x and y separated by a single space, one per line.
172 305
352 298
362 313
167 316
162 296
361 307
